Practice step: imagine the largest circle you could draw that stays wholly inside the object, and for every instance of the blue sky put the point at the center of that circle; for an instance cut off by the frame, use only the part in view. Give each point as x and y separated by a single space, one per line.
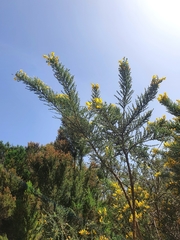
89 37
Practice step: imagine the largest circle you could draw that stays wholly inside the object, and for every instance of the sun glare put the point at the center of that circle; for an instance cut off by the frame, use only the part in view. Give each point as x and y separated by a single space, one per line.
164 13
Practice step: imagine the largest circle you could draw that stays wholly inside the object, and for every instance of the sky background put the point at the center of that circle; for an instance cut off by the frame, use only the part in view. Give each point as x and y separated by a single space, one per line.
89 36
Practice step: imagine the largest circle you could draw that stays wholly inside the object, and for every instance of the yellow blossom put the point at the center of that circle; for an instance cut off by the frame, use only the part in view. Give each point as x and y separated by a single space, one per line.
156 80
57 58
101 219
89 105
107 150
162 97
98 106
95 85
137 216
45 56
157 174
146 195
98 100
120 216
102 237
52 54
154 77
84 232
171 162
167 144
61 95
125 207
155 150
129 235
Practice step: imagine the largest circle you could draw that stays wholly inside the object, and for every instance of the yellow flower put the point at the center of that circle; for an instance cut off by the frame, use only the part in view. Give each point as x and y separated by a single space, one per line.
21 71
102 237
125 207
107 150
155 150
83 232
154 77
130 234
95 86
146 195
157 174
101 219
105 211
123 61
89 105
156 80
162 97
52 54
120 216
98 106
57 59
167 144
98 100
45 56
61 95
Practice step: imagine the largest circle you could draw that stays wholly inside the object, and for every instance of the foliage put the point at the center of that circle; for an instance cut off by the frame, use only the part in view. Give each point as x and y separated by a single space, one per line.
129 190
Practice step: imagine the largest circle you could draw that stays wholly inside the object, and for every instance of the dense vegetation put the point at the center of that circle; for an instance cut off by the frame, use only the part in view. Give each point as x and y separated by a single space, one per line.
128 190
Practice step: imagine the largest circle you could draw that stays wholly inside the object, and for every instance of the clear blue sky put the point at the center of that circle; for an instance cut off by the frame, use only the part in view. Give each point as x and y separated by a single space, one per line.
89 37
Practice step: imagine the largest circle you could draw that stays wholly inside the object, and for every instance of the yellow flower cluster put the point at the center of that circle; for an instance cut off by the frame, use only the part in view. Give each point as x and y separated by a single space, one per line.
171 162
161 119
22 73
89 105
84 232
61 95
97 102
121 62
126 206
50 57
156 80
102 237
155 150
142 203
157 174
162 97
167 144
129 235
102 212
124 64
95 85
138 216
107 150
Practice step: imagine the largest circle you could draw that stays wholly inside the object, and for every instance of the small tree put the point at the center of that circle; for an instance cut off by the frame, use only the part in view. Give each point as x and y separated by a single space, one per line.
113 134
